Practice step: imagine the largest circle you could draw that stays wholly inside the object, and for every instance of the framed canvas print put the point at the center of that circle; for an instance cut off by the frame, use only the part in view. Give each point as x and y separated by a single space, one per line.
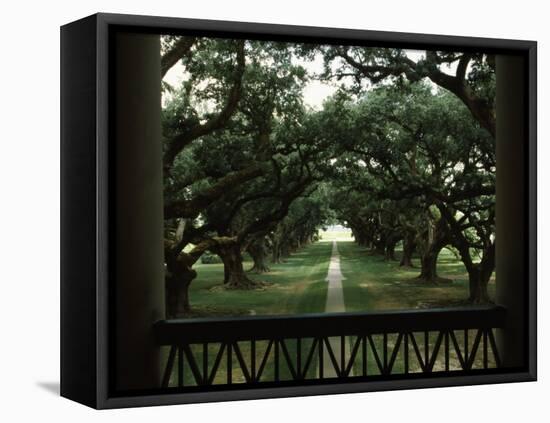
254 211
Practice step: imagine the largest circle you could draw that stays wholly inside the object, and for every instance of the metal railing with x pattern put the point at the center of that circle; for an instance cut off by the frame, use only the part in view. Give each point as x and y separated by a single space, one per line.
253 351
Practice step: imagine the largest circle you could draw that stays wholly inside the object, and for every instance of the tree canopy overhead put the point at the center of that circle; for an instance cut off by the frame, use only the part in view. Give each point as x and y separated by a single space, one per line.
402 152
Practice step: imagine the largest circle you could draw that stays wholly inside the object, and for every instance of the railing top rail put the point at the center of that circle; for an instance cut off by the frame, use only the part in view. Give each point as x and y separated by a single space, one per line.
171 332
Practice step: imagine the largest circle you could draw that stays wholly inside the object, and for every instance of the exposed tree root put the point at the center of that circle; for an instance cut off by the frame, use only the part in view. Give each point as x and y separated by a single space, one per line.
258 269
433 281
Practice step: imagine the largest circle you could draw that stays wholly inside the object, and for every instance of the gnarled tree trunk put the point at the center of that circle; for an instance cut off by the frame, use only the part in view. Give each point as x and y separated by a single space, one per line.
276 254
478 282
428 259
479 275
234 275
379 245
428 263
285 249
390 251
409 245
258 251
177 282
391 242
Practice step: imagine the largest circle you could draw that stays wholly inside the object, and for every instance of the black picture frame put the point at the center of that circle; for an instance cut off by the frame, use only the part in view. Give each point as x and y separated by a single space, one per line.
86 215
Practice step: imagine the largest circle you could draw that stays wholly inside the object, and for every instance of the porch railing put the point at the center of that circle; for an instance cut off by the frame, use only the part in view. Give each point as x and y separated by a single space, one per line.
252 351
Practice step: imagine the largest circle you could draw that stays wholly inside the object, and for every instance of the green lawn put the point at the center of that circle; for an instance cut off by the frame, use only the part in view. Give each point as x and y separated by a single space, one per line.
298 285
375 284
295 286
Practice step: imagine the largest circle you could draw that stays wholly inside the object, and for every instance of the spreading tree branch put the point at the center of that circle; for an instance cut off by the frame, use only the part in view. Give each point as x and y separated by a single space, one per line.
218 121
190 208
179 50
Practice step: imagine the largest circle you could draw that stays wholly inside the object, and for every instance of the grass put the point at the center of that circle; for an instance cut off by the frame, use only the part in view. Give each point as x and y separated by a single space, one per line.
375 284
295 286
